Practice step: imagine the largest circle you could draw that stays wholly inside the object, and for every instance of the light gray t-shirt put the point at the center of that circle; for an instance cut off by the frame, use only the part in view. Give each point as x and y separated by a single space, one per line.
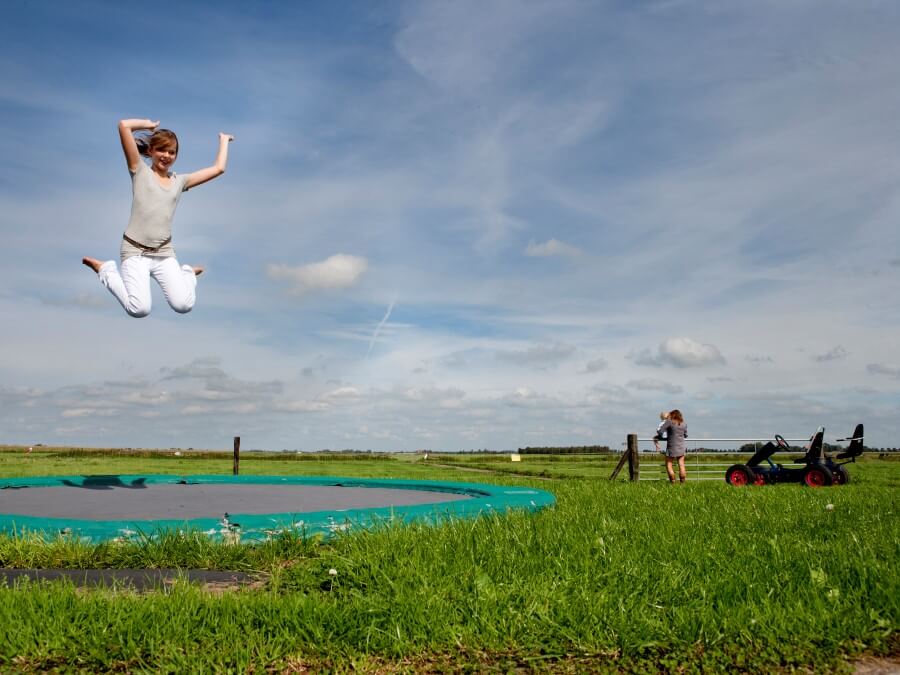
152 208
674 435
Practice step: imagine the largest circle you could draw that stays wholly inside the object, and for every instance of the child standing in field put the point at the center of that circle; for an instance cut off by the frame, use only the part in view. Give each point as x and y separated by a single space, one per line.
674 431
146 249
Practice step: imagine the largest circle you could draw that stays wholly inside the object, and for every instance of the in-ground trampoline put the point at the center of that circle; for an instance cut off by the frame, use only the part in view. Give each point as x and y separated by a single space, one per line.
248 508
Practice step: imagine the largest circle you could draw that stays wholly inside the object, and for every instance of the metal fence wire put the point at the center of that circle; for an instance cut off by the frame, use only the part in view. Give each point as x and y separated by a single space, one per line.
704 470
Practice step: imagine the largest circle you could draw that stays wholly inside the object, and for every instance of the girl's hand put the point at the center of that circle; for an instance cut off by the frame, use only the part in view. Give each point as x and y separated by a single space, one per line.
150 125
225 137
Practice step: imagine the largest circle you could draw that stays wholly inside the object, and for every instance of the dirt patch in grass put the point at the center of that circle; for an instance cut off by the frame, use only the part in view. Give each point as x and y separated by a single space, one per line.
470 661
877 666
141 580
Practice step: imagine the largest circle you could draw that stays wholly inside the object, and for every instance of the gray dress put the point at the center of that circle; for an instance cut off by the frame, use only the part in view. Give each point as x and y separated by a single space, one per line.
674 435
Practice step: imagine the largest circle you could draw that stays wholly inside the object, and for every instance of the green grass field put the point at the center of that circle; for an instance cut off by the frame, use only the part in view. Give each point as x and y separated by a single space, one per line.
616 577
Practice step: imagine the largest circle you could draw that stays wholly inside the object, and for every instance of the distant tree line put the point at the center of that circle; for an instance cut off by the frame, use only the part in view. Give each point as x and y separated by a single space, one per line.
568 450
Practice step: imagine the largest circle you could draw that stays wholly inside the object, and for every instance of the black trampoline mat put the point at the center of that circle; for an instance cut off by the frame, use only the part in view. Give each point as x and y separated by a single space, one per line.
167 501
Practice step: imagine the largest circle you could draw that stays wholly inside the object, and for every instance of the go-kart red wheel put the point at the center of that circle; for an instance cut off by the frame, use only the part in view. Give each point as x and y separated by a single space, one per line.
759 479
818 476
740 474
841 475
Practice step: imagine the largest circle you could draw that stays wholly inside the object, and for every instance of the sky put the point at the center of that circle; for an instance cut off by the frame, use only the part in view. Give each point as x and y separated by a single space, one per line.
458 225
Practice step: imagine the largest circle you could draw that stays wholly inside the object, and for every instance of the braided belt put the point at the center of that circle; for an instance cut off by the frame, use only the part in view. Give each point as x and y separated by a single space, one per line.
144 247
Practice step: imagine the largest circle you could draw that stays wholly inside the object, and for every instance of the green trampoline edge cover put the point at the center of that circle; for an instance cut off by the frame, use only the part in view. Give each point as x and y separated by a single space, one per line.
480 498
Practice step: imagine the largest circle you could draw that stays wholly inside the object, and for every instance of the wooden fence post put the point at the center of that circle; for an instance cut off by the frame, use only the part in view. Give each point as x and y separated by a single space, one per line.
628 456
634 460
237 455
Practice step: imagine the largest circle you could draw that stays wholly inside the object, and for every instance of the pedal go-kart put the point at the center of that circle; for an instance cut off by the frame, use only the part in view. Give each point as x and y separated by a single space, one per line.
817 468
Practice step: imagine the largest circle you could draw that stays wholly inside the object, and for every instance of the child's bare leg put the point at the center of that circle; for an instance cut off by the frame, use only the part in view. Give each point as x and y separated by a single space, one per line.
93 263
682 472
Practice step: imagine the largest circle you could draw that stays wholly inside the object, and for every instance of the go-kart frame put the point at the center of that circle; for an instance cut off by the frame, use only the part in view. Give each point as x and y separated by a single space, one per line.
816 468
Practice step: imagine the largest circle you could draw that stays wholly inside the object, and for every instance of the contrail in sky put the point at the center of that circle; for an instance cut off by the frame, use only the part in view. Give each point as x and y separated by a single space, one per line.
387 315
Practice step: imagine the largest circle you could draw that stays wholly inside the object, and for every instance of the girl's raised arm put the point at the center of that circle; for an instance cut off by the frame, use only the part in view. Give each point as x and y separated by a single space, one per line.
126 135
214 171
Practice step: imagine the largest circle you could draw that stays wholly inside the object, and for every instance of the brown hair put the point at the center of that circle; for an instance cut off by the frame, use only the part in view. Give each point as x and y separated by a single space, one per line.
161 138
675 416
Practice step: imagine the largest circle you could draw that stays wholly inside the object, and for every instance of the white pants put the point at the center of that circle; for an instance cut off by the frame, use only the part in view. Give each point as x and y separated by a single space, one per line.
132 287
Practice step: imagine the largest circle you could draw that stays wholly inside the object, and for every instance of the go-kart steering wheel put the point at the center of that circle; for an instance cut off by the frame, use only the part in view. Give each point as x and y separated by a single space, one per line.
781 442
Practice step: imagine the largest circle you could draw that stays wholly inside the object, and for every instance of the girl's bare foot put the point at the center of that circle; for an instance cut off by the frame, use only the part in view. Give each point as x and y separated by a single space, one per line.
198 270
93 263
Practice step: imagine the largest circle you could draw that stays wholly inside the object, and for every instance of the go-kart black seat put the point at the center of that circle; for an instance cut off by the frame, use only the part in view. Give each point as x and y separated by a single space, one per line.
814 454
855 449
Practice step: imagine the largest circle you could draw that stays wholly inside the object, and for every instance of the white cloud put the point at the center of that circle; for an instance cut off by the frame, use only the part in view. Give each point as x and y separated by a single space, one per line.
300 405
538 356
687 353
343 393
337 272
551 247
525 397
609 395
242 408
681 352
430 394
79 412
655 385
196 409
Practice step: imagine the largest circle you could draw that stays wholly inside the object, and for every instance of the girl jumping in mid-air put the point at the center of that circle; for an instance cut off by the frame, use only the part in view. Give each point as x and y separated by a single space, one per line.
147 243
